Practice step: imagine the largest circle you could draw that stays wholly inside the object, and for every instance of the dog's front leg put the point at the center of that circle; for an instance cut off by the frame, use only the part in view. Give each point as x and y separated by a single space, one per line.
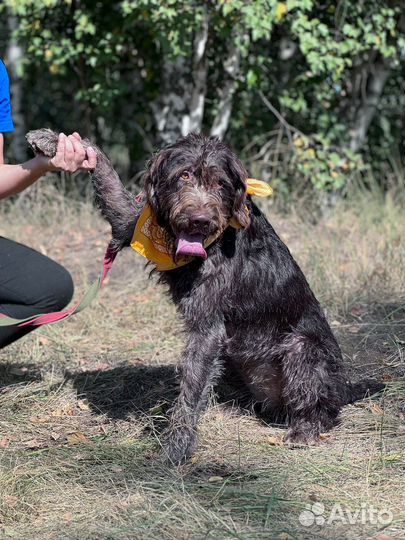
118 205
201 368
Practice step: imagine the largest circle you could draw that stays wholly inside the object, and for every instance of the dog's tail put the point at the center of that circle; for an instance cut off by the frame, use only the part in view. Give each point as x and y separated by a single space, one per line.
363 389
117 204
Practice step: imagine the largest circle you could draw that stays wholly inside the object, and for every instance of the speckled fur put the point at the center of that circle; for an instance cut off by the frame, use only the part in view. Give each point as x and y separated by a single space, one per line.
247 308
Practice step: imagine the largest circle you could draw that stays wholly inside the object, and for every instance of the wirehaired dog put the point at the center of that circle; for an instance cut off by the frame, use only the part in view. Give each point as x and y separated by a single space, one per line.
245 303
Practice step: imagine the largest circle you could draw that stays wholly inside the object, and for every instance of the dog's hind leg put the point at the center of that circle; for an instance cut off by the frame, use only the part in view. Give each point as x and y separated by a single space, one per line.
117 205
201 367
314 386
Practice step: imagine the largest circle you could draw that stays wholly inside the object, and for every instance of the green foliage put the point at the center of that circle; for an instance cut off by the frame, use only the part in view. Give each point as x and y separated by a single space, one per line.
316 161
313 60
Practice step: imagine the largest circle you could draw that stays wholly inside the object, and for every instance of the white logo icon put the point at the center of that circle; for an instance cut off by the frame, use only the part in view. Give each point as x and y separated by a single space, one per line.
314 514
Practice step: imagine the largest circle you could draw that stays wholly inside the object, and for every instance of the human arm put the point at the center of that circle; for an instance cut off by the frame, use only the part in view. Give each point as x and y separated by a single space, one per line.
70 156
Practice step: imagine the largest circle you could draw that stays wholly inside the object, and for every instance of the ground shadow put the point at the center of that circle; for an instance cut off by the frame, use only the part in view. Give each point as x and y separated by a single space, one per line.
11 373
152 389
372 340
128 389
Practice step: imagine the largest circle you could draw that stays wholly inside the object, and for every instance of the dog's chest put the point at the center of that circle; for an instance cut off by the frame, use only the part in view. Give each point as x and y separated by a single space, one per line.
201 289
220 287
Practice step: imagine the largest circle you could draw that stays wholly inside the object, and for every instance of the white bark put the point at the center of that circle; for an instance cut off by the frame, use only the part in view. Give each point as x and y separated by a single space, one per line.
226 93
171 106
367 110
193 120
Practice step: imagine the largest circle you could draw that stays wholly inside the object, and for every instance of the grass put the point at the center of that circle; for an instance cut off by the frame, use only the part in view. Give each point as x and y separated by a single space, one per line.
82 403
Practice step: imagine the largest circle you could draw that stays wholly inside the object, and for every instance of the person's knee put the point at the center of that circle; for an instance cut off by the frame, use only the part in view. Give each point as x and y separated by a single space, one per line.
54 293
61 288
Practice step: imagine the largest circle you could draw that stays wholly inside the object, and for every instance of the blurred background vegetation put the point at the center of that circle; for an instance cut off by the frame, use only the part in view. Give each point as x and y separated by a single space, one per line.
310 93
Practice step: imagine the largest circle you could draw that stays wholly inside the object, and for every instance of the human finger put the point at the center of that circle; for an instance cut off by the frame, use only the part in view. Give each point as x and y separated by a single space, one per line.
79 151
58 161
91 161
69 155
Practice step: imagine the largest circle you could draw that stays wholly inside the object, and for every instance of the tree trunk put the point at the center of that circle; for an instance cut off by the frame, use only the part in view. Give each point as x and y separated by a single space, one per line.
366 112
193 120
14 55
171 106
226 93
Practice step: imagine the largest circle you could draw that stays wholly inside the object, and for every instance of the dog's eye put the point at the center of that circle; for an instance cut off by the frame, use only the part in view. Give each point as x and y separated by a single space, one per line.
185 175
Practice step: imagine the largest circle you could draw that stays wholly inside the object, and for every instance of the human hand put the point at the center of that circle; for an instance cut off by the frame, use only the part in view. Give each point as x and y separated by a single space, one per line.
71 155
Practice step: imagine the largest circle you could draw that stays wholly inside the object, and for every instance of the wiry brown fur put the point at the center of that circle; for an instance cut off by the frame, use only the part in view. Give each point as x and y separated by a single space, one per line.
247 308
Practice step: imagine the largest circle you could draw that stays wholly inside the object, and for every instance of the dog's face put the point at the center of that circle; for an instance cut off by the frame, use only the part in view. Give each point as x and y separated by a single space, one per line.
194 188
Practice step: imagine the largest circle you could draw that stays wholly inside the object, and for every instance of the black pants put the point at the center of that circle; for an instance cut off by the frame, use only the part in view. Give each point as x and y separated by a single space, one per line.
30 283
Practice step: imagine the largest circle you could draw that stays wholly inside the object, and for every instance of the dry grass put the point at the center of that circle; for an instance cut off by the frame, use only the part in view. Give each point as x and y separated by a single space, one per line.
82 402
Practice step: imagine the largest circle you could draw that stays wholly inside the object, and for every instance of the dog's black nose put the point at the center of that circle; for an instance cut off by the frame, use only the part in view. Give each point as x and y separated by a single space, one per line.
200 223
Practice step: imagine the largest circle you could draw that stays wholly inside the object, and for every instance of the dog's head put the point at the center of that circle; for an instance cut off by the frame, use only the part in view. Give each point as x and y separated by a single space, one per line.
195 187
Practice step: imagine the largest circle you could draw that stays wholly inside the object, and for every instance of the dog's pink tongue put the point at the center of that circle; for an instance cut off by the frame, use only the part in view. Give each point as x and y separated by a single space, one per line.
191 244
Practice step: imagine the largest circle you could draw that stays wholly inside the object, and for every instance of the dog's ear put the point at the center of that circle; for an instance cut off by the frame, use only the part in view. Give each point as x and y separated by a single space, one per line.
154 172
150 190
239 175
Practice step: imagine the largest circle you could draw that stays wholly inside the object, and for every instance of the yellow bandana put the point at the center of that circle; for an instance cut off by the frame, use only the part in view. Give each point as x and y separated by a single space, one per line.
152 242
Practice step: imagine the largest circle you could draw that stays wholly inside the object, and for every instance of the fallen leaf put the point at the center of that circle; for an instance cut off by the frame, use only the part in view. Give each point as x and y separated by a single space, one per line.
83 405
102 366
215 479
4 442
33 443
354 329
39 419
376 409
358 310
394 457
63 412
274 441
11 500
77 437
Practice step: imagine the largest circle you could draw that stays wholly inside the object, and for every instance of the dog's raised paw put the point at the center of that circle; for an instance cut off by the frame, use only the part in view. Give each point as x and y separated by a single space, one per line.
43 141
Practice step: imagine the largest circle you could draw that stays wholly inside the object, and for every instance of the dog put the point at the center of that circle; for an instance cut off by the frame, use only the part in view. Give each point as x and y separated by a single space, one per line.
246 305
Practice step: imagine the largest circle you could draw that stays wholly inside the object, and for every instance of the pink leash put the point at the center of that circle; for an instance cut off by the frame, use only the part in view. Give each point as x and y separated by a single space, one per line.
50 318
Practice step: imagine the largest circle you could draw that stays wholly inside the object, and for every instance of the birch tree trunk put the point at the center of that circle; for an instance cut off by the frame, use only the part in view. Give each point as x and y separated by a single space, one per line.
172 104
226 93
368 108
193 120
